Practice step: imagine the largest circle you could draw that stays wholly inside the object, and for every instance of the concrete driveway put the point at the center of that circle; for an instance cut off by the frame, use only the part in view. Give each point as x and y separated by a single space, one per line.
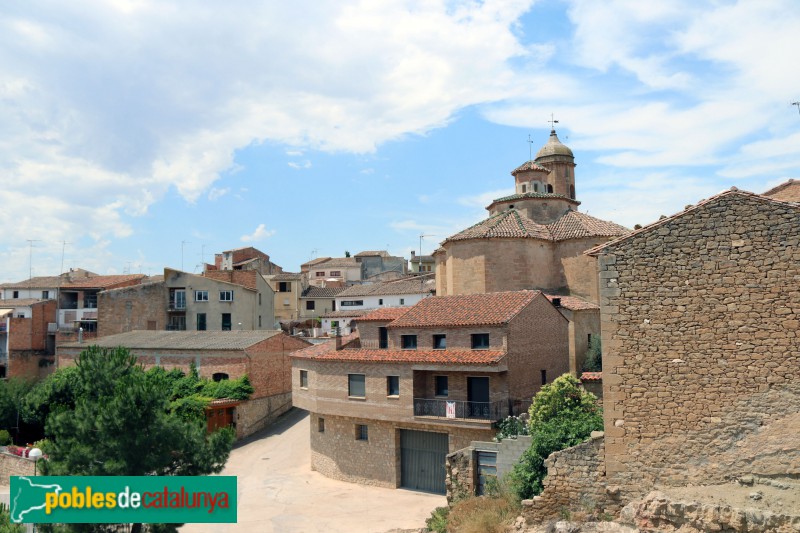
279 493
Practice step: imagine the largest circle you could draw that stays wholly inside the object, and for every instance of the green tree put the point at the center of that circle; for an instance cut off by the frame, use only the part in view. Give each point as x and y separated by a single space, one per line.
562 415
121 424
6 526
593 362
12 398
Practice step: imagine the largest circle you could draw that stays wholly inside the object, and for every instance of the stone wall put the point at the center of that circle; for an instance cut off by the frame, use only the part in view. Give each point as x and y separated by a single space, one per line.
575 481
13 465
257 414
132 308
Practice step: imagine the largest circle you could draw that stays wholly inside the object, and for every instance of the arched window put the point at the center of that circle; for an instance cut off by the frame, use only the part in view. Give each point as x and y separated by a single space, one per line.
535 187
572 191
219 376
549 188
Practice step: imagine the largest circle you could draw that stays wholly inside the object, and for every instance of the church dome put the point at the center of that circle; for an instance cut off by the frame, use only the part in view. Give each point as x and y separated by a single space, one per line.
554 147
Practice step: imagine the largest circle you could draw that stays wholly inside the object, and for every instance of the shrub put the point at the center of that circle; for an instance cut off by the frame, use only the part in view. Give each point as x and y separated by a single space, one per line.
511 427
562 415
438 520
482 514
5 437
594 356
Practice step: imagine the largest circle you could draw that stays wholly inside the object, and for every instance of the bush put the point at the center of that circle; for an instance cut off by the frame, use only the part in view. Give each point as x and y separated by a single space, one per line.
5 437
594 356
562 415
483 514
438 520
511 427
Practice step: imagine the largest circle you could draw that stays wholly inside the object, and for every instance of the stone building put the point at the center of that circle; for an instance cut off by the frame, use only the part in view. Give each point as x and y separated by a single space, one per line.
27 337
414 384
287 286
246 258
261 355
533 239
701 355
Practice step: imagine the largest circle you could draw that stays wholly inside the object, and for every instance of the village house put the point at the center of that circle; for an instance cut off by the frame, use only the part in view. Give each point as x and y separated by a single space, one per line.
700 319
27 337
261 355
216 300
422 263
317 301
387 404
287 286
343 271
403 292
246 258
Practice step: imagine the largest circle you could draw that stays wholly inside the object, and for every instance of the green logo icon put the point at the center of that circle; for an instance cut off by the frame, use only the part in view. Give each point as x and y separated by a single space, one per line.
123 499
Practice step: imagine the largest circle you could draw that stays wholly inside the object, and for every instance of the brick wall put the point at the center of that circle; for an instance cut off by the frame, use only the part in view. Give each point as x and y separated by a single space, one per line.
13 465
132 308
700 320
257 414
246 278
537 340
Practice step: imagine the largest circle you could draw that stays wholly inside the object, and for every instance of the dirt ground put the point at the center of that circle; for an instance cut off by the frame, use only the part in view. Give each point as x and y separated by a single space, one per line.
773 498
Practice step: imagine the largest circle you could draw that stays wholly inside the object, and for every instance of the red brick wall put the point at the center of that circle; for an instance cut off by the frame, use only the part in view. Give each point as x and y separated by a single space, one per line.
246 278
31 333
538 340
271 367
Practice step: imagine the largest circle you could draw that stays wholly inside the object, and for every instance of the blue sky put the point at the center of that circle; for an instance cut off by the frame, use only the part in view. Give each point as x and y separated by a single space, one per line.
129 127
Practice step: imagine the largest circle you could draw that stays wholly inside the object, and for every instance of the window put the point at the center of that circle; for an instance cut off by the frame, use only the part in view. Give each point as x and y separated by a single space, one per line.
544 377
259 298
356 386
200 296
336 273
286 301
90 300
352 303
16 294
45 295
380 301
439 342
320 274
310 305
178 299
441 386
259 320
572 191
362 432
549 188
219 376
201 321
226 322
402 301
284 286
321 425
535 187
524 188
589 338
304 379
392 385
383 338
408 342
480 341
225 296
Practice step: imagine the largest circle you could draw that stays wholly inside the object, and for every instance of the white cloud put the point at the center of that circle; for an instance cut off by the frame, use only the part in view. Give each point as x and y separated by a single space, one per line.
304 164
216 194
259 234
485 198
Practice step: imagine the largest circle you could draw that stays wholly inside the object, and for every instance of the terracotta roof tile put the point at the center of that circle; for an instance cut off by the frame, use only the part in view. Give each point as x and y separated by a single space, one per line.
592 376
522 196
285 276
20 302
788 191
384 314
180 340
573 303
425 283
344 314
373 253
337 262
529 165
322 292
489 309
574 225
328 352
509 223
98 282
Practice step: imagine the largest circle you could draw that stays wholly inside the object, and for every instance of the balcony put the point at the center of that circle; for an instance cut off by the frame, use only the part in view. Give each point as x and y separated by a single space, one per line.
461 410
176 306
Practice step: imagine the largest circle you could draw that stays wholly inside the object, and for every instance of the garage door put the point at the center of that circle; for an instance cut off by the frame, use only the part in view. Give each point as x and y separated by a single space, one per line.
422 460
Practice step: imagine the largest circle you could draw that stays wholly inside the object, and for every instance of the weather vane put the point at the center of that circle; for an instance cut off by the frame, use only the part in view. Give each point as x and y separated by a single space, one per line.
552 122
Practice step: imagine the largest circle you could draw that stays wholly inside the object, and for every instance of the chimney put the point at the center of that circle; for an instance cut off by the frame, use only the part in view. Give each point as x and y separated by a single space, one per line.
338 339
557 302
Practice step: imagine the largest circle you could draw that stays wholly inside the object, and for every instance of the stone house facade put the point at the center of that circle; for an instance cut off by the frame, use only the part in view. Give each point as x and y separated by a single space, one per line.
246 258
701 353
414 384
261 355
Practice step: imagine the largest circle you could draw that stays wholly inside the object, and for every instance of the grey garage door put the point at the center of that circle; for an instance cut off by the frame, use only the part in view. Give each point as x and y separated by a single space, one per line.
422 460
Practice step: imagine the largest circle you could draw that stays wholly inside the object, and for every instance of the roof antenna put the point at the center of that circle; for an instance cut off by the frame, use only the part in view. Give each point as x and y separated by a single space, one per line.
798 106
530 148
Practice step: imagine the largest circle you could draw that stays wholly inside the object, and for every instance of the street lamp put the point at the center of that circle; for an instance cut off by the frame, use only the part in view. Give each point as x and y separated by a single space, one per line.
35 454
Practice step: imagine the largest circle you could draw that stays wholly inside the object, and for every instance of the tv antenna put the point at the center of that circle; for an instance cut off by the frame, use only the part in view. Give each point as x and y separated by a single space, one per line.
798 106
530 148
30 263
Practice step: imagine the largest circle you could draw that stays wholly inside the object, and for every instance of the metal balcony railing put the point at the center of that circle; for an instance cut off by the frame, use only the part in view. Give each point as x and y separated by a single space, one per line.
176 306
461 410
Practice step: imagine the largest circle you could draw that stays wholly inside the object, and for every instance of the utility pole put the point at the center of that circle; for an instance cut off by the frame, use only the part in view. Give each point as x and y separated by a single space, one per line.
30 263
419 264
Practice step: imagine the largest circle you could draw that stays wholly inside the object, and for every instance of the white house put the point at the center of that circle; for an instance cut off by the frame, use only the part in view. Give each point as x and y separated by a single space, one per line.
403 292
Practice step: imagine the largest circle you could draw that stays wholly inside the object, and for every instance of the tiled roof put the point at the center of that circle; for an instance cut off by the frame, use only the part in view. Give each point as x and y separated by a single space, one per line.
20 302
573 303
513 223
328 352
528 165
573 225
408 285
77 279
344 314
522 196
321 292
180 340
384 314
373 253
490 309
314 261
592 376
788 191
510 223
285 276
337 262
424 258
99 282
658 223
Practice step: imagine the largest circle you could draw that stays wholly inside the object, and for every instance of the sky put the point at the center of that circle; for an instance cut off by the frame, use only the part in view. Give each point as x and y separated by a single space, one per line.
137 134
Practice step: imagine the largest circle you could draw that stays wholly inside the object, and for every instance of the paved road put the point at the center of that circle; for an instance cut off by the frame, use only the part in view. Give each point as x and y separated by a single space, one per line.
279 493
